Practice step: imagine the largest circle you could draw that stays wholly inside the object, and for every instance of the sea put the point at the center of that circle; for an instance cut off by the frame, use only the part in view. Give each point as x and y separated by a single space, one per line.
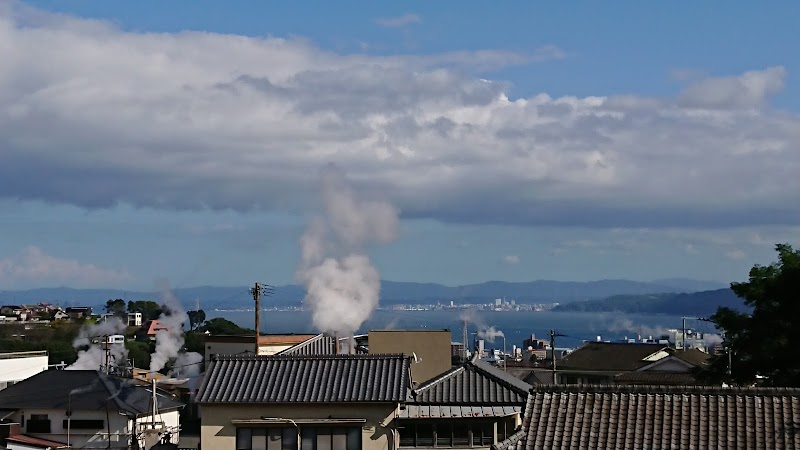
572 328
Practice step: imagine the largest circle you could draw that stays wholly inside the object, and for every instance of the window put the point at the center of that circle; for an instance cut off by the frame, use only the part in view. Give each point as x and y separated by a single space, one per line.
311 438
446 433
38 423
84 424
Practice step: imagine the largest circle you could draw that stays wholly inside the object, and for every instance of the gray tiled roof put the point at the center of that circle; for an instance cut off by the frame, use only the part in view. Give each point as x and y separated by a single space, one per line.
318 345
473 383
456 411
609 356
90 390
305 379
647 377
660 417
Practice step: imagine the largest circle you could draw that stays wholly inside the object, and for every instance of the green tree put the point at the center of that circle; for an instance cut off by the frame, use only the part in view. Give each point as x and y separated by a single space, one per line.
218 325
196 318
116 307
763 343
150 310
195 342
139 353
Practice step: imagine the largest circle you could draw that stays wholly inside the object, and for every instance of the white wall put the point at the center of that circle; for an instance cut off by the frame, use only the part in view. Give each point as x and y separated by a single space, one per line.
121 427
77 437
18 369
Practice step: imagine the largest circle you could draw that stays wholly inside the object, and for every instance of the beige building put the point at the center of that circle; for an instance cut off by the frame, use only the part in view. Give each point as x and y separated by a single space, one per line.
430 348
321 402
268 344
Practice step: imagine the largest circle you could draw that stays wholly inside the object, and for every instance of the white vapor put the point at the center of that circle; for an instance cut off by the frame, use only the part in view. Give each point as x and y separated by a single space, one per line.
485 332
342 285
93 358
490 334
169 340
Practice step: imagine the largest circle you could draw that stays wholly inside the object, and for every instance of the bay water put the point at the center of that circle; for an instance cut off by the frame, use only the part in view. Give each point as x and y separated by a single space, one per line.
575 327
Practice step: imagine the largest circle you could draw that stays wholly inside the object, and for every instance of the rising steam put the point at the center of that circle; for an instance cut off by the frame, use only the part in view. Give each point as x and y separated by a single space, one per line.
342 285
490 334
169 339
485 332
93 336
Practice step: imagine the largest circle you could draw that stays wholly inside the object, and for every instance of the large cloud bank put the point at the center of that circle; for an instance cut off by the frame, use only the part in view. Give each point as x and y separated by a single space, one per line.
92 115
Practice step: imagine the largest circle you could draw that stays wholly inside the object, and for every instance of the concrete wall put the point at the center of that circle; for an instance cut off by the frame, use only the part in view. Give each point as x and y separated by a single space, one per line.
17 366
432 348
219 433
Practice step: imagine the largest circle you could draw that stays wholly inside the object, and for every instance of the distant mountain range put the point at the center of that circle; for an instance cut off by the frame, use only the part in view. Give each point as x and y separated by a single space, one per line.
702 303
392 292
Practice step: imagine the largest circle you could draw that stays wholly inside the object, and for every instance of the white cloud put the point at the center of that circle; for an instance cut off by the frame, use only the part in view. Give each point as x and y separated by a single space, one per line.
94 116
511 260
399 21
748 90
33 265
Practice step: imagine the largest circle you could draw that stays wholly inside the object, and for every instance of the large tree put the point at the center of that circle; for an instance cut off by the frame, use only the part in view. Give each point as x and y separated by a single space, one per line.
150 310
116 307
763 344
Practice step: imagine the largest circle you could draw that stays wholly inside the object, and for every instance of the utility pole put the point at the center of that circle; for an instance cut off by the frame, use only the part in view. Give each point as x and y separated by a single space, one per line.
258 291
464 337
553 354
106 368
683 339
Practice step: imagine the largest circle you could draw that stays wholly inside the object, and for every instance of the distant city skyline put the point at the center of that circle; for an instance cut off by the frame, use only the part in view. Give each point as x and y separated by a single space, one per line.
184 141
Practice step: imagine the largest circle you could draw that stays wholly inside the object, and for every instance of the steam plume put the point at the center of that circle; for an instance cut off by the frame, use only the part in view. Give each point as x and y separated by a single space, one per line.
169 340
485 332
490 334
93 357
342 285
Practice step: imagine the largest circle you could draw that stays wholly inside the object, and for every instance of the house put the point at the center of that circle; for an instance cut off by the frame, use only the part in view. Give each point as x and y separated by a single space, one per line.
134 319
600 417
59 314
17 366
472 405
149 330
623 363
88 409
268 344
79 312
318 402
10 310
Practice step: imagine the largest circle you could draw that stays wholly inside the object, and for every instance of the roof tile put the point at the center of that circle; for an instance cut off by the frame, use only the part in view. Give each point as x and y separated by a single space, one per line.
690 417
305 379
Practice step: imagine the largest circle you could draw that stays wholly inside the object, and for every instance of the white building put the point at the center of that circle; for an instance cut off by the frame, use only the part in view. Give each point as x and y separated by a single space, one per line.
135 319
88 409
17 366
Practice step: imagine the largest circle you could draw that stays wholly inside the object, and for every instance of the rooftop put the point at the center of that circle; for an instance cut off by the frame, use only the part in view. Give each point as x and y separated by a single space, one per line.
81 390
687 417
473 383
305 379
622 357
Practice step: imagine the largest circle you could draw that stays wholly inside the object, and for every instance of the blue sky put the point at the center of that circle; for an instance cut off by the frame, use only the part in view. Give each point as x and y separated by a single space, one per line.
184 140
